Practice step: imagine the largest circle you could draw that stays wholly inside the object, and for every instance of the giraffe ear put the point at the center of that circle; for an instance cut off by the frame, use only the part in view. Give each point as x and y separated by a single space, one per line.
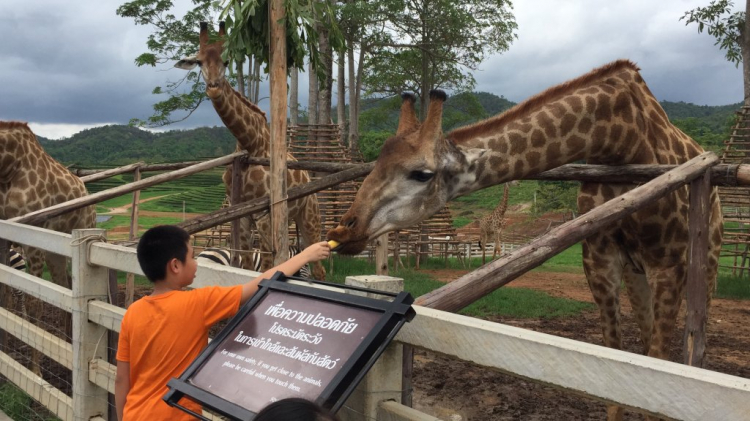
187 63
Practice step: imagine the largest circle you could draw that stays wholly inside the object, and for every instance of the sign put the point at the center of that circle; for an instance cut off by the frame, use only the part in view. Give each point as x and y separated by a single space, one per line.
292 341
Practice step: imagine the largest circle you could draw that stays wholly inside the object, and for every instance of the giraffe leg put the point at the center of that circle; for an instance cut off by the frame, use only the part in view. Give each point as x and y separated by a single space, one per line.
264 239
667 286
58 268
308 222
247 225
498 243
604 274
639 294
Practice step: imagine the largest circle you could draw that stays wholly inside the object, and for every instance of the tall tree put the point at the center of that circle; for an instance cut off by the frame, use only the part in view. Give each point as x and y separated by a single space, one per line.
248 36
731 30
429 44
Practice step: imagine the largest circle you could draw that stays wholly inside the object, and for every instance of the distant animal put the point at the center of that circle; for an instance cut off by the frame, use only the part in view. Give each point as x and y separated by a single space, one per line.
16 261
491 226
223 257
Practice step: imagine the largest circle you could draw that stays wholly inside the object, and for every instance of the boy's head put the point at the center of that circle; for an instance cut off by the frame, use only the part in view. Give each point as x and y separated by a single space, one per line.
158 247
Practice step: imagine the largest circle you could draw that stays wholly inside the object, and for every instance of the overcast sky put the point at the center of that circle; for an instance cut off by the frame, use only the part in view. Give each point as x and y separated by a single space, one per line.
69 65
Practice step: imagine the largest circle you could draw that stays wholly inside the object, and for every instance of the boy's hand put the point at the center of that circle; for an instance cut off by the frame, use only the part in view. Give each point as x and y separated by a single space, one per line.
317 252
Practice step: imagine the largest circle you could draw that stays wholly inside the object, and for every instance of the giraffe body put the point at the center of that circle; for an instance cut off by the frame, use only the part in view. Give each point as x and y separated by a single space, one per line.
607 116
249 126
31 180
491 226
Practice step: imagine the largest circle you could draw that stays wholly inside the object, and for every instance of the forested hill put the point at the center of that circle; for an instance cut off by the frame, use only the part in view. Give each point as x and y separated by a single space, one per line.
119 145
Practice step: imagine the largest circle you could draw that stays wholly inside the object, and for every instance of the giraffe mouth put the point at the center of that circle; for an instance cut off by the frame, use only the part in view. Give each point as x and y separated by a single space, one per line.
348 244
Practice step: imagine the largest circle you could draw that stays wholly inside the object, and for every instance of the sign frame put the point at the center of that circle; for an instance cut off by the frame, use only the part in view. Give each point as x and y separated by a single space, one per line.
393 314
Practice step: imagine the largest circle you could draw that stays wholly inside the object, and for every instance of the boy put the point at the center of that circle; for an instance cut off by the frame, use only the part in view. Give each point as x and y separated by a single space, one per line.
163 333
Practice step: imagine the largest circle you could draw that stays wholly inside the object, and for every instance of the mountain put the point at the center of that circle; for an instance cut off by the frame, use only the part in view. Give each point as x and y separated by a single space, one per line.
120 145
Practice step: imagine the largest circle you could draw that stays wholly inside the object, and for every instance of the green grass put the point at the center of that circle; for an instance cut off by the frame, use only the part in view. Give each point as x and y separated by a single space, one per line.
507 302
731 286
144 222
467 209
18 405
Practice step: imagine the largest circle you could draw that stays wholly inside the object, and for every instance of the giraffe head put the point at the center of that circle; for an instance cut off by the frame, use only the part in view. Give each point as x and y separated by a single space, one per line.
213 66
417 172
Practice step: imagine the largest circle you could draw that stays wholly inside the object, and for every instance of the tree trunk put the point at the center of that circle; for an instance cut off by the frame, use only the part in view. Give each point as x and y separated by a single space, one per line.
341 95
293 97
256 80
240 78
312 95
354 81
324 93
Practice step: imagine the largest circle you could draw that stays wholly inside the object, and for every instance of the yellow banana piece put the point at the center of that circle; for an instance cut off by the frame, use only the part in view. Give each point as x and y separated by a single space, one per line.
333 243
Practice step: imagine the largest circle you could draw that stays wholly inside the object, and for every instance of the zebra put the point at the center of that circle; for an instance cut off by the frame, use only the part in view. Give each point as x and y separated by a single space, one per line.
223 257
16 261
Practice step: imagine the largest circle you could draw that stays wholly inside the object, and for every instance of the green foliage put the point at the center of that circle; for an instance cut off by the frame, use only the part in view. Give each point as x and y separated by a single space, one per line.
249 31
371 143
507 302
719 21
731 286
555 196
427 44
119 145
17 405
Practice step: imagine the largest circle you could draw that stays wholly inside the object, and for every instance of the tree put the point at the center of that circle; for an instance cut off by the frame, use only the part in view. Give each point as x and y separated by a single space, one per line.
731 30
247 26
427 44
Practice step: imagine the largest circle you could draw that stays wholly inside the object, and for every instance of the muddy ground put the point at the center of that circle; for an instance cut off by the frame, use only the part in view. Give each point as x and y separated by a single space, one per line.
445 388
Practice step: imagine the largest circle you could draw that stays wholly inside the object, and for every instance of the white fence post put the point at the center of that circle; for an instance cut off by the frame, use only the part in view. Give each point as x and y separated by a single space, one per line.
89 339
383 381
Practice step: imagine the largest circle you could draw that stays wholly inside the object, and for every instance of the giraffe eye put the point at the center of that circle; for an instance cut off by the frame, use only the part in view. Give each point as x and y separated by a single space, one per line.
200 63
421 176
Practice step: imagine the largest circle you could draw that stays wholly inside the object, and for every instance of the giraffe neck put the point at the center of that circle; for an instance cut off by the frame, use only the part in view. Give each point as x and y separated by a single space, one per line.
503 205
245 120
606 117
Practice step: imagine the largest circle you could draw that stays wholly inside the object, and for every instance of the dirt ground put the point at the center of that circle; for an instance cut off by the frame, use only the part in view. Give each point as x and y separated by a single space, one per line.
448 388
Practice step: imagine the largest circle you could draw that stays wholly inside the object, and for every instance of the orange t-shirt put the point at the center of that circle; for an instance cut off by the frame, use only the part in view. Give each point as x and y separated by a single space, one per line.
160 336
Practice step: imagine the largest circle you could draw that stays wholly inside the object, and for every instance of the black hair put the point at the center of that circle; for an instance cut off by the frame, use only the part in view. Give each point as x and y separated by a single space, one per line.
158 246
294 409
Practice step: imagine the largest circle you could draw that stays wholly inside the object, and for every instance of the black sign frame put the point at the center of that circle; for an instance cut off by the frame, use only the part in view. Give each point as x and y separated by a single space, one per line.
394 313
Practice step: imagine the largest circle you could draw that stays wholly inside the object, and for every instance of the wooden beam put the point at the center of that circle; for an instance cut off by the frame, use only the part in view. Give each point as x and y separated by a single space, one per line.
53 241
697 282
40 390
279 206
663 388
46 291
236 195
37 217
36 337
221 216
473 286
100 175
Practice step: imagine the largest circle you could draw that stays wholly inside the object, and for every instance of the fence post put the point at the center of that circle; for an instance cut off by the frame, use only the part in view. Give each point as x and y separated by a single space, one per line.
89 339
383 381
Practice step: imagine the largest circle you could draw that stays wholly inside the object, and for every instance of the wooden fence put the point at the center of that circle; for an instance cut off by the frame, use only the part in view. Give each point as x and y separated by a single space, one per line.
652 386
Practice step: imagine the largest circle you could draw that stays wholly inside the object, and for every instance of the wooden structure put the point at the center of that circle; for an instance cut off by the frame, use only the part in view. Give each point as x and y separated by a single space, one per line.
669 390
735 200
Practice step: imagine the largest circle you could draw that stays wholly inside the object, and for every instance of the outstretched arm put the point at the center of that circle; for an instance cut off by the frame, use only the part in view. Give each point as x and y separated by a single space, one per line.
122 387
314 253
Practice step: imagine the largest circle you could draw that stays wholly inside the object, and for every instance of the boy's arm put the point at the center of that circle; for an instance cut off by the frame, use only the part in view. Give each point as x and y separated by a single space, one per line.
314 253
122 387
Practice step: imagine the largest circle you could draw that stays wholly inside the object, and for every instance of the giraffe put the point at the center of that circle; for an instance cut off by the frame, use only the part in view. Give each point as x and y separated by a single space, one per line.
492 225
248 124
31 180
607 116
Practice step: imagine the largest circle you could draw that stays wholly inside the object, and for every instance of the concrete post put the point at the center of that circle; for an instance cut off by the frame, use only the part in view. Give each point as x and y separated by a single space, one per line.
89 339
383 381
